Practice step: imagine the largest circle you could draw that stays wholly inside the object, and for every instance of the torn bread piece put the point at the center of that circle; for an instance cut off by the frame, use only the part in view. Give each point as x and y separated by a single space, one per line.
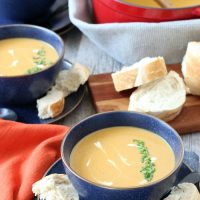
51 105
191 68
55 187
142 72
162 98
68 81
184 191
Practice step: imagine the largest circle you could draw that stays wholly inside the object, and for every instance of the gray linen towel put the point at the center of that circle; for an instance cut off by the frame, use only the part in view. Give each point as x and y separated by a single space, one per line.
130 42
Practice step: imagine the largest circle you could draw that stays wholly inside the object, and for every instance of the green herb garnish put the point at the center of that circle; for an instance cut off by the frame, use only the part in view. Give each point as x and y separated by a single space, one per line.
40 61
33 70
40 58
148 167
41 52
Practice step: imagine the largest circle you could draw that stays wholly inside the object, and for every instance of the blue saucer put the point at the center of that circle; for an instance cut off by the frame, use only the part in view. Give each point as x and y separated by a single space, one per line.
57 20
58 168
29 114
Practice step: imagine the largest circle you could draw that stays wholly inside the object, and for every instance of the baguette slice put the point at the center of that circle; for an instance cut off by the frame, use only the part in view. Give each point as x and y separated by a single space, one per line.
144 71
51 105
150 69
68 81
191 68
162 98
55 187
184 191
125 78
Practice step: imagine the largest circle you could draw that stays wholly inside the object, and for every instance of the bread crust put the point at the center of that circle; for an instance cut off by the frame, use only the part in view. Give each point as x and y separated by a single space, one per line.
51 105
57 107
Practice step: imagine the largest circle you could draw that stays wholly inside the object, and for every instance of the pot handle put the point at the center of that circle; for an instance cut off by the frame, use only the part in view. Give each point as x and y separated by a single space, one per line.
196 12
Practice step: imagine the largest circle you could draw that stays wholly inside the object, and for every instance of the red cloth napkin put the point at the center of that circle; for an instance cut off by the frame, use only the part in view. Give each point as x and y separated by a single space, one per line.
26 152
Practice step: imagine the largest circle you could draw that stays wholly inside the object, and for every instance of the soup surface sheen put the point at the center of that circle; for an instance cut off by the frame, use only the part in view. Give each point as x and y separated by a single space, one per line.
21 56
175 3
110 157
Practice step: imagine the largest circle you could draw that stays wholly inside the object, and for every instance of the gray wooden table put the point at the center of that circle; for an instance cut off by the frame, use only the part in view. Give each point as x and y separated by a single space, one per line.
80 49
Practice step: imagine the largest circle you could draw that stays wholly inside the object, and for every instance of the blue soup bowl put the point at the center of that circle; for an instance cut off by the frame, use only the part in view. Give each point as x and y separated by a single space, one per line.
91 191
24 11
25 89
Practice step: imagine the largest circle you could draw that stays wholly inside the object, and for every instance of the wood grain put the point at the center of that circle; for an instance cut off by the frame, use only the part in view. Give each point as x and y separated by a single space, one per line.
105 98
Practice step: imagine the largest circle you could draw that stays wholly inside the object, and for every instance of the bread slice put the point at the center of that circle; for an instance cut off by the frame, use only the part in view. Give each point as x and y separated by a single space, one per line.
125 78
184 191
51 105
162 98
55 187
69 81
150 69
142 72
191 68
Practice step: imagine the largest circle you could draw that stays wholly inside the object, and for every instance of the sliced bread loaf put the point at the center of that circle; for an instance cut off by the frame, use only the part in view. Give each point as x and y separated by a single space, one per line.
144 71
184 191
55 187
163 98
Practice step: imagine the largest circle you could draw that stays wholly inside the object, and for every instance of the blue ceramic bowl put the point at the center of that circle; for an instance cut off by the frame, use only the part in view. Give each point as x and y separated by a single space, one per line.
24 11
25 89
91 191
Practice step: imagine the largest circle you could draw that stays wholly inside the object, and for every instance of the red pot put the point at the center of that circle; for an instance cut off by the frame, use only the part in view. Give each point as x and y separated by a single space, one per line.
107 11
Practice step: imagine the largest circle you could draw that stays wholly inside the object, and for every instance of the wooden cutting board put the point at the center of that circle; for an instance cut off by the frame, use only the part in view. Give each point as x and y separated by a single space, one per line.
105 98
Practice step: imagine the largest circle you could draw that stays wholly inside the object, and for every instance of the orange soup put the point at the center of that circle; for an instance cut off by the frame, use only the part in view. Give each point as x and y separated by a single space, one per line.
21 56
122 157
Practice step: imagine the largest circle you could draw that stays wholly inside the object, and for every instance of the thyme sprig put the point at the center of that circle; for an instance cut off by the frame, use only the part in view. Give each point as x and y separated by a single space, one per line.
148 168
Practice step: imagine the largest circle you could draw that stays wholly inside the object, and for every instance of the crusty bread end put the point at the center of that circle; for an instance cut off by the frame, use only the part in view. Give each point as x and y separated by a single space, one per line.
51 105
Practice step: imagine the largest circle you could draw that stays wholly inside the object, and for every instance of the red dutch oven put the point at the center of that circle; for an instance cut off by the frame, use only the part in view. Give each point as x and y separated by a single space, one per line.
108 11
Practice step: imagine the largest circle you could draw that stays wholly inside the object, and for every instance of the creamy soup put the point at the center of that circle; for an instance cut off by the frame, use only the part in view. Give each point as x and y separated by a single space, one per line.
21 56
122 157
175 3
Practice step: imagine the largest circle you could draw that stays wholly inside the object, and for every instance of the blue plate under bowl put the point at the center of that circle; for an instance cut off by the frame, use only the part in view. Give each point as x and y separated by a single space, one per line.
58 168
